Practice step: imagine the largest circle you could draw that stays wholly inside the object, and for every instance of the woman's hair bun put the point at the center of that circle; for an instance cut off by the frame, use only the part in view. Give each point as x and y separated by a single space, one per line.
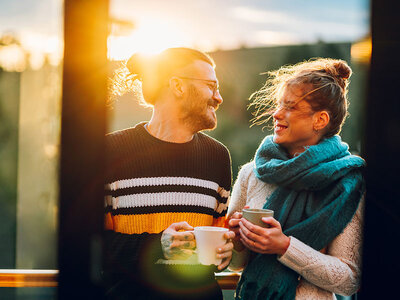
342 69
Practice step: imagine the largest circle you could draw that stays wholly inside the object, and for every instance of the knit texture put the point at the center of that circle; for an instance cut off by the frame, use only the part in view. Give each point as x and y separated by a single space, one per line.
318 193
152 184
335 271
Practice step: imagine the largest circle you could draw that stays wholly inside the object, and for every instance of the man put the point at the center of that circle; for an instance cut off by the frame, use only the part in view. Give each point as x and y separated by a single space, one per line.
165 177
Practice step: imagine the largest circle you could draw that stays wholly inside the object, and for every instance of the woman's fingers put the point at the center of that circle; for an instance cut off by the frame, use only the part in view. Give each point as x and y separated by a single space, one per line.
248 242
251 231
271 222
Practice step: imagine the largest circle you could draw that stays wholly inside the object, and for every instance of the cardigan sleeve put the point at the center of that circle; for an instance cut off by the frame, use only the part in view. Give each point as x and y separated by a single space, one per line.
237 202
338 270
239 192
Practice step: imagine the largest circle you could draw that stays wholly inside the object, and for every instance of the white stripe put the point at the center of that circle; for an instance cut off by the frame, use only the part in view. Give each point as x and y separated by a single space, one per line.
155 181
156 199
107 200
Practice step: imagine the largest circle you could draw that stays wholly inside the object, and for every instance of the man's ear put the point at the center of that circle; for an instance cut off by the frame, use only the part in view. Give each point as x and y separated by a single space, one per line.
176 86
321 120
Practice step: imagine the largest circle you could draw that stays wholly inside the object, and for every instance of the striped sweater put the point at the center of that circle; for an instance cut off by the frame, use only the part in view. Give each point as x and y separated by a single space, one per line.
152 184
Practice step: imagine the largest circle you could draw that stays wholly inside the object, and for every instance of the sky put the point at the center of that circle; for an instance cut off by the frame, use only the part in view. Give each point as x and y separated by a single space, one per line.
207 24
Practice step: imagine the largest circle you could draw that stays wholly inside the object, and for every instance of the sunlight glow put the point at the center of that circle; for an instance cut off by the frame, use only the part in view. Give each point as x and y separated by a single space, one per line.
151 36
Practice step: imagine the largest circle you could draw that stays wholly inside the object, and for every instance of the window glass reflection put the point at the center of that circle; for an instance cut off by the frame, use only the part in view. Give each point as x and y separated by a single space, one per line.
30 91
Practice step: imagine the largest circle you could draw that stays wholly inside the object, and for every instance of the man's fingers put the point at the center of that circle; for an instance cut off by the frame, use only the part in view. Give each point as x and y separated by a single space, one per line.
184 244
184 236
181 226
229 235
225 262
225 248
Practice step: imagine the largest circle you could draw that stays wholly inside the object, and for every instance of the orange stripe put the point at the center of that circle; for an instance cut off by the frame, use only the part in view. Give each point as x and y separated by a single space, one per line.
220 222
157 222
108 222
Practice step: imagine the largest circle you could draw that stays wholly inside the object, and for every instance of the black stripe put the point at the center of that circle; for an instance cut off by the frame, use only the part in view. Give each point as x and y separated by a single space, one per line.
164 189
217 215
163 209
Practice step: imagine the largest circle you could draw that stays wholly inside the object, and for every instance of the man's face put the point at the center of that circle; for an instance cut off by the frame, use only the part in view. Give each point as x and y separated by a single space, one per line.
203 98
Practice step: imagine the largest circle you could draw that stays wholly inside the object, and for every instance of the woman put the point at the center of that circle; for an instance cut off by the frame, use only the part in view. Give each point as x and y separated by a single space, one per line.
305 173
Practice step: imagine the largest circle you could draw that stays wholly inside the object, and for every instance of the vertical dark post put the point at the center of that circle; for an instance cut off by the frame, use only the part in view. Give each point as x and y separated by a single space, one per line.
382 223
82 148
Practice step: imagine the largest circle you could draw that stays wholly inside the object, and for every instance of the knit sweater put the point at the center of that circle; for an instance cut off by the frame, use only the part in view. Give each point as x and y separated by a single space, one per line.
152 184
321 275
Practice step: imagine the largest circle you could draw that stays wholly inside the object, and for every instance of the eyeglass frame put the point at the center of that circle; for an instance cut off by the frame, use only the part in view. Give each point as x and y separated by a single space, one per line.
216 83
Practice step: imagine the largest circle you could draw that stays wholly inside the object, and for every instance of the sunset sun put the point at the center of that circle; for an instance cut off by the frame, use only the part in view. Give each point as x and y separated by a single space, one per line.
150 36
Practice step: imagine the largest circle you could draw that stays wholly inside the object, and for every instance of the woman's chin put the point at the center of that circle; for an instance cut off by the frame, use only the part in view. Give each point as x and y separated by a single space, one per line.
277 139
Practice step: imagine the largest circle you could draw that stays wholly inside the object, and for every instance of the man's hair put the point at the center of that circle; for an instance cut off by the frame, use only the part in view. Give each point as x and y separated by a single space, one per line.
156 69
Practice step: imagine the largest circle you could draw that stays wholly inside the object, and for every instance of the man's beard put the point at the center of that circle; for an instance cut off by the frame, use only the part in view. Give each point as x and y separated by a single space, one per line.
195 111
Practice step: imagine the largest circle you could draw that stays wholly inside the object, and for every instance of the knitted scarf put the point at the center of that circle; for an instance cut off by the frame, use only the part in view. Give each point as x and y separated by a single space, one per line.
317 195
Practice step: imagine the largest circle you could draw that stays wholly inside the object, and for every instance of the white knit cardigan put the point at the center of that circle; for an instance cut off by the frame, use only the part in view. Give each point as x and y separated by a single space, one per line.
320 275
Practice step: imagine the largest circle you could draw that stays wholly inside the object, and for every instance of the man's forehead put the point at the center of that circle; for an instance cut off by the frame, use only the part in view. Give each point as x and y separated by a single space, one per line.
199 68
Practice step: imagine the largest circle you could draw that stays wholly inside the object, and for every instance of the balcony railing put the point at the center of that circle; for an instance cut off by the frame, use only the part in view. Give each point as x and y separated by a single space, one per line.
49 278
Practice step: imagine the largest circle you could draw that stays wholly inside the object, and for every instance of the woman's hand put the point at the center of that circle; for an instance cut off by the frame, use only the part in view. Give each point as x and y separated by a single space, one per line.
233 224
264 240
225 251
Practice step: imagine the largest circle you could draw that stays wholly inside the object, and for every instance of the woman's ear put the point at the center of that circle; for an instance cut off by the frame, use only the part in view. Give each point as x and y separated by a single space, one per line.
321 120
176 86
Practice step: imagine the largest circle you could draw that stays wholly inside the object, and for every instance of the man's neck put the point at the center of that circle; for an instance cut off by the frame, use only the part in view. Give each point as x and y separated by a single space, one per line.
169 129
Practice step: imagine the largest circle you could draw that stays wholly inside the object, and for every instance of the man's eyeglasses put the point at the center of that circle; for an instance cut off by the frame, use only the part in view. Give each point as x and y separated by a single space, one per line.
214 85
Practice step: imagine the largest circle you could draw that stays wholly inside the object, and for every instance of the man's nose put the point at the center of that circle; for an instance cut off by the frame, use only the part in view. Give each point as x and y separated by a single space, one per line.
217 96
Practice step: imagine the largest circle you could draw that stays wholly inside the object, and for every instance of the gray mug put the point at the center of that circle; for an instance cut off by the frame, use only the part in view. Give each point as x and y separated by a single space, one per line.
254 215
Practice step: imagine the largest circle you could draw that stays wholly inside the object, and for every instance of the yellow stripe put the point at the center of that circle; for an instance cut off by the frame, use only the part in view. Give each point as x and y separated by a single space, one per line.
155 223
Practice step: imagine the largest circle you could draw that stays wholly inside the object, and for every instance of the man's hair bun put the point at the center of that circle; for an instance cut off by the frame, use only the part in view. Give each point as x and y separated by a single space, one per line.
138 63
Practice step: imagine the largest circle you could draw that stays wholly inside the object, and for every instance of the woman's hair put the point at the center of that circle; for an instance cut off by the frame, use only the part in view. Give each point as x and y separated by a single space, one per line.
325 85
154 71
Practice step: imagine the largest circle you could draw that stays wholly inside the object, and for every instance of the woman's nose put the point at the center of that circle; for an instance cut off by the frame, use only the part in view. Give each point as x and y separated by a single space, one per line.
278 113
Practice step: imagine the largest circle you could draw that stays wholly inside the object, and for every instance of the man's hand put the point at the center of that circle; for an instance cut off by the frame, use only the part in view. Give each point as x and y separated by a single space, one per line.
225 251
178 245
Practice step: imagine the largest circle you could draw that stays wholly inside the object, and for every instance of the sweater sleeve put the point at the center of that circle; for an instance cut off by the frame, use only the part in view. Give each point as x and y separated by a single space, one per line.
125 253
338 270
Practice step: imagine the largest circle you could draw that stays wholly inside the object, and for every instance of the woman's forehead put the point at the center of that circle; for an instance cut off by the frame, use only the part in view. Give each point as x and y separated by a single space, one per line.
293 96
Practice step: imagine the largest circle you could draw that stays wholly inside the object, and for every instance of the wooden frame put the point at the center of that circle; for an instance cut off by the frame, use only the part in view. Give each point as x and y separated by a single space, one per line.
83 129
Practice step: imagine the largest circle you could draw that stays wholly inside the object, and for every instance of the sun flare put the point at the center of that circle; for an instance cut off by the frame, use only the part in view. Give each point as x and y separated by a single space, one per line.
149 37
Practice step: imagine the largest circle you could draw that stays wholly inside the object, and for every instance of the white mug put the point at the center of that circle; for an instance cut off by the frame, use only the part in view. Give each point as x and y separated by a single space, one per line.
208 239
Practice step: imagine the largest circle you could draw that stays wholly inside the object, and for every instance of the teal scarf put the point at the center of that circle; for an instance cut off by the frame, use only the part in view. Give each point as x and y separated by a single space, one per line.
317 195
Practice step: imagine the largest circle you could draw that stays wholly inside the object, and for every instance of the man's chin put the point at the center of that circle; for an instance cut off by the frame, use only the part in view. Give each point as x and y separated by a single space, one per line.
209 125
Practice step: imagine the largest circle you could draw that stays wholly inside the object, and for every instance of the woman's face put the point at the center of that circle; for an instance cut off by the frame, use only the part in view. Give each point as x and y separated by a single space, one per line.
294 121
